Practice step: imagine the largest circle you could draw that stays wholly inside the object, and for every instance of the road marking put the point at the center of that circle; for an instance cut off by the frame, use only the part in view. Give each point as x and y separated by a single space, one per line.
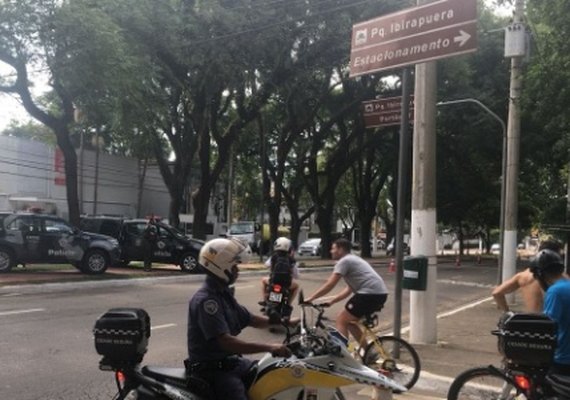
464 307
15 312
152 328
11 294
244 287
454 311
464 283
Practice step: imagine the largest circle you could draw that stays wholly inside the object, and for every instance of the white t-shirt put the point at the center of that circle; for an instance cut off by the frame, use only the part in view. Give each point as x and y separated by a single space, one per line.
360 276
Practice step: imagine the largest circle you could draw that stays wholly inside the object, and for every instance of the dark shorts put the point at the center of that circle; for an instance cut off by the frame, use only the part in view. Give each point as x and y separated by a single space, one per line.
360 305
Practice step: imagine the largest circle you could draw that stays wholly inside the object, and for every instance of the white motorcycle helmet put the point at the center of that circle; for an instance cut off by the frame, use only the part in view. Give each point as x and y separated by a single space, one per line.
282 244
218 256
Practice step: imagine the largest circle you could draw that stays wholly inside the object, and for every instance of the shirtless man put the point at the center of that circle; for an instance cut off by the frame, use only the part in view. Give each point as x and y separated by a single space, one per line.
532 293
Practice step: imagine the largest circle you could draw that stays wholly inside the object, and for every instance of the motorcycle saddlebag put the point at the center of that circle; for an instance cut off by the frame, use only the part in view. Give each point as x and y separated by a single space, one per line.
121 335
527 339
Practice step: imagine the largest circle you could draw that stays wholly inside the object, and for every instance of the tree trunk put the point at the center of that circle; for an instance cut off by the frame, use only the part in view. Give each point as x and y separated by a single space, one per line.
64 143
365 229
323 220
140 189
201 201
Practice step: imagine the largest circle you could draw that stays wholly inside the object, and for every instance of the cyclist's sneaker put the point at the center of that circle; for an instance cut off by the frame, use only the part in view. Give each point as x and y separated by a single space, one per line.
339 337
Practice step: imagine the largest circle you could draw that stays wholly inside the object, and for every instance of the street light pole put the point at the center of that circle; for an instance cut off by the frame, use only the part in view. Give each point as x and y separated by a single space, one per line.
503 172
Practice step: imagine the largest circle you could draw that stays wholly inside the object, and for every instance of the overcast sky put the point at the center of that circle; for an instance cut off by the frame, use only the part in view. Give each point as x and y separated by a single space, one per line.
10 108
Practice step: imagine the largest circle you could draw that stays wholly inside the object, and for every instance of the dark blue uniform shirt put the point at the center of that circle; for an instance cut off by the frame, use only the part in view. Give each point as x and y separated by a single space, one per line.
213 311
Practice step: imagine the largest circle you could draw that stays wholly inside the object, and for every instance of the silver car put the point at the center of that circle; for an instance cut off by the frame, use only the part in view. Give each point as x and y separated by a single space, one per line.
311 247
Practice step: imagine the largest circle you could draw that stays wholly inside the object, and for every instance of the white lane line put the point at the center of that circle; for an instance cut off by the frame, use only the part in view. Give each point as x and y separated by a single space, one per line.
464 307
152 328
11 294
244 287
15 312
454 311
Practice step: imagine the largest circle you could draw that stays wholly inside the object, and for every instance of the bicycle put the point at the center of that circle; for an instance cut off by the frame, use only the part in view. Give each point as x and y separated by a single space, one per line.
522 375
388 355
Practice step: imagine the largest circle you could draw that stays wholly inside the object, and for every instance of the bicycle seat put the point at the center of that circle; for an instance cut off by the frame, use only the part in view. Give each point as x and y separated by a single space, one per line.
370 320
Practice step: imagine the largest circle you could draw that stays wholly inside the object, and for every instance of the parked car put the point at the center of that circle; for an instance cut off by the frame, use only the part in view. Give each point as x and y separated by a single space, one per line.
495 248
391 248
379 243
311 247
248 232
172 246
47 239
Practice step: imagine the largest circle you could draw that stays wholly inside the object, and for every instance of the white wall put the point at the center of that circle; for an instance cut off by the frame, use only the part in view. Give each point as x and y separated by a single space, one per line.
28 172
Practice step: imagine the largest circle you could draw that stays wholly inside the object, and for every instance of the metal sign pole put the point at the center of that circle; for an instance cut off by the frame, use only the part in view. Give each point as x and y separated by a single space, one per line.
403 183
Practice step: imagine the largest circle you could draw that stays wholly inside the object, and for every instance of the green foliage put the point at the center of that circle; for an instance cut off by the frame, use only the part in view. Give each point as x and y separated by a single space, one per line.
546 136
30 131
470 141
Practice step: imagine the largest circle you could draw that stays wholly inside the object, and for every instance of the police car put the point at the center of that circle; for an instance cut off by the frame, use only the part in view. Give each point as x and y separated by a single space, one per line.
171 247
46 239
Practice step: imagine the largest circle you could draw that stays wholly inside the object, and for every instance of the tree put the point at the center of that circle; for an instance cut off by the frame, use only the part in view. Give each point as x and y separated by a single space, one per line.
26 43
469 142
547 125
68 43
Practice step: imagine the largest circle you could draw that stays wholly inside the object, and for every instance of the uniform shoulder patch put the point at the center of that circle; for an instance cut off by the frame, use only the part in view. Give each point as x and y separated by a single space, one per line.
211 307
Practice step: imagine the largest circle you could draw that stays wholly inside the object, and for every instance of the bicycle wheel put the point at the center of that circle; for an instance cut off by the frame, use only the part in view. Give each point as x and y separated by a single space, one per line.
404 369
338 395
483 383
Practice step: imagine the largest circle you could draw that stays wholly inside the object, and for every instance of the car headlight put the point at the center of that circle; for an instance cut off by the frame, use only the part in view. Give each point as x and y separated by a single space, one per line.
114 242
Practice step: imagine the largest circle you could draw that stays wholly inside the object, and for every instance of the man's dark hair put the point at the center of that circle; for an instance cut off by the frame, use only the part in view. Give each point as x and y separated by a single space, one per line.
344 244
550 244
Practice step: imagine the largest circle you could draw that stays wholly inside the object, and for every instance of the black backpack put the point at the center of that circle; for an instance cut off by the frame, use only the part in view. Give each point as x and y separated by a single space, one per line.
281 269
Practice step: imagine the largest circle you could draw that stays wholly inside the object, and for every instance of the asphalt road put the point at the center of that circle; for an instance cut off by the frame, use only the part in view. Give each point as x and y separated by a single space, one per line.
47 347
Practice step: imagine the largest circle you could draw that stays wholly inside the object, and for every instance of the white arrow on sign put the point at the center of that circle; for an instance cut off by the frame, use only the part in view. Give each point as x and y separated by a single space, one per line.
462 38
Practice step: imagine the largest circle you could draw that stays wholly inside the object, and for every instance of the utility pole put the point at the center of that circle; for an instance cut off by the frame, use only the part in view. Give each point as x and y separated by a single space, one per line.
230 189
96 179
423 304
515 49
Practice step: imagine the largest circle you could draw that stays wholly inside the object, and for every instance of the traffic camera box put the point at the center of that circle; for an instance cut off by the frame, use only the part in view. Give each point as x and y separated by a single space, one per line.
121 335
527 339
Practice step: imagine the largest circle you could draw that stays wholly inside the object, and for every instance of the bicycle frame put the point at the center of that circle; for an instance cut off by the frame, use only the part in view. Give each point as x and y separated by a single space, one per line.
370 336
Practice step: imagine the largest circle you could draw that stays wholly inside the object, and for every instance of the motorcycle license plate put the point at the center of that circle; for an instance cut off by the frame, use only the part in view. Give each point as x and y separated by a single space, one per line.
276 297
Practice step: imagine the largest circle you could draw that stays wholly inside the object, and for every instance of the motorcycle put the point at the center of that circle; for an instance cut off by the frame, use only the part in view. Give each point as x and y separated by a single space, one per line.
319 367
277 307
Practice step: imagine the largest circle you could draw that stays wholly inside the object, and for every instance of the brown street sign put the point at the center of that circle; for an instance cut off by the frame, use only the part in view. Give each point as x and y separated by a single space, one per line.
385 112
436 30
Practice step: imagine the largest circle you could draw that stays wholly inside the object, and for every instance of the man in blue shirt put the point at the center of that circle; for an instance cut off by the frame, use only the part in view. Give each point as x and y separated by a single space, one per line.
548 269
215 319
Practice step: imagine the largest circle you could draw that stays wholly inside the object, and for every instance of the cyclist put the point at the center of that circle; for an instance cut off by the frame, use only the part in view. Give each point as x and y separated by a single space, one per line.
282 262
369 292
530 289
549 272
215 319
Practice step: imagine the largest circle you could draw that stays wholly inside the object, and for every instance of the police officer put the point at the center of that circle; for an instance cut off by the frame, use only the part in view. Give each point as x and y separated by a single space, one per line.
150 237
215 319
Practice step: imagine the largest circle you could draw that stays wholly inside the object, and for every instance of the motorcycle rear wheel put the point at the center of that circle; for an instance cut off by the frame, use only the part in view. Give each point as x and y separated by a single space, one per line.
482 383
